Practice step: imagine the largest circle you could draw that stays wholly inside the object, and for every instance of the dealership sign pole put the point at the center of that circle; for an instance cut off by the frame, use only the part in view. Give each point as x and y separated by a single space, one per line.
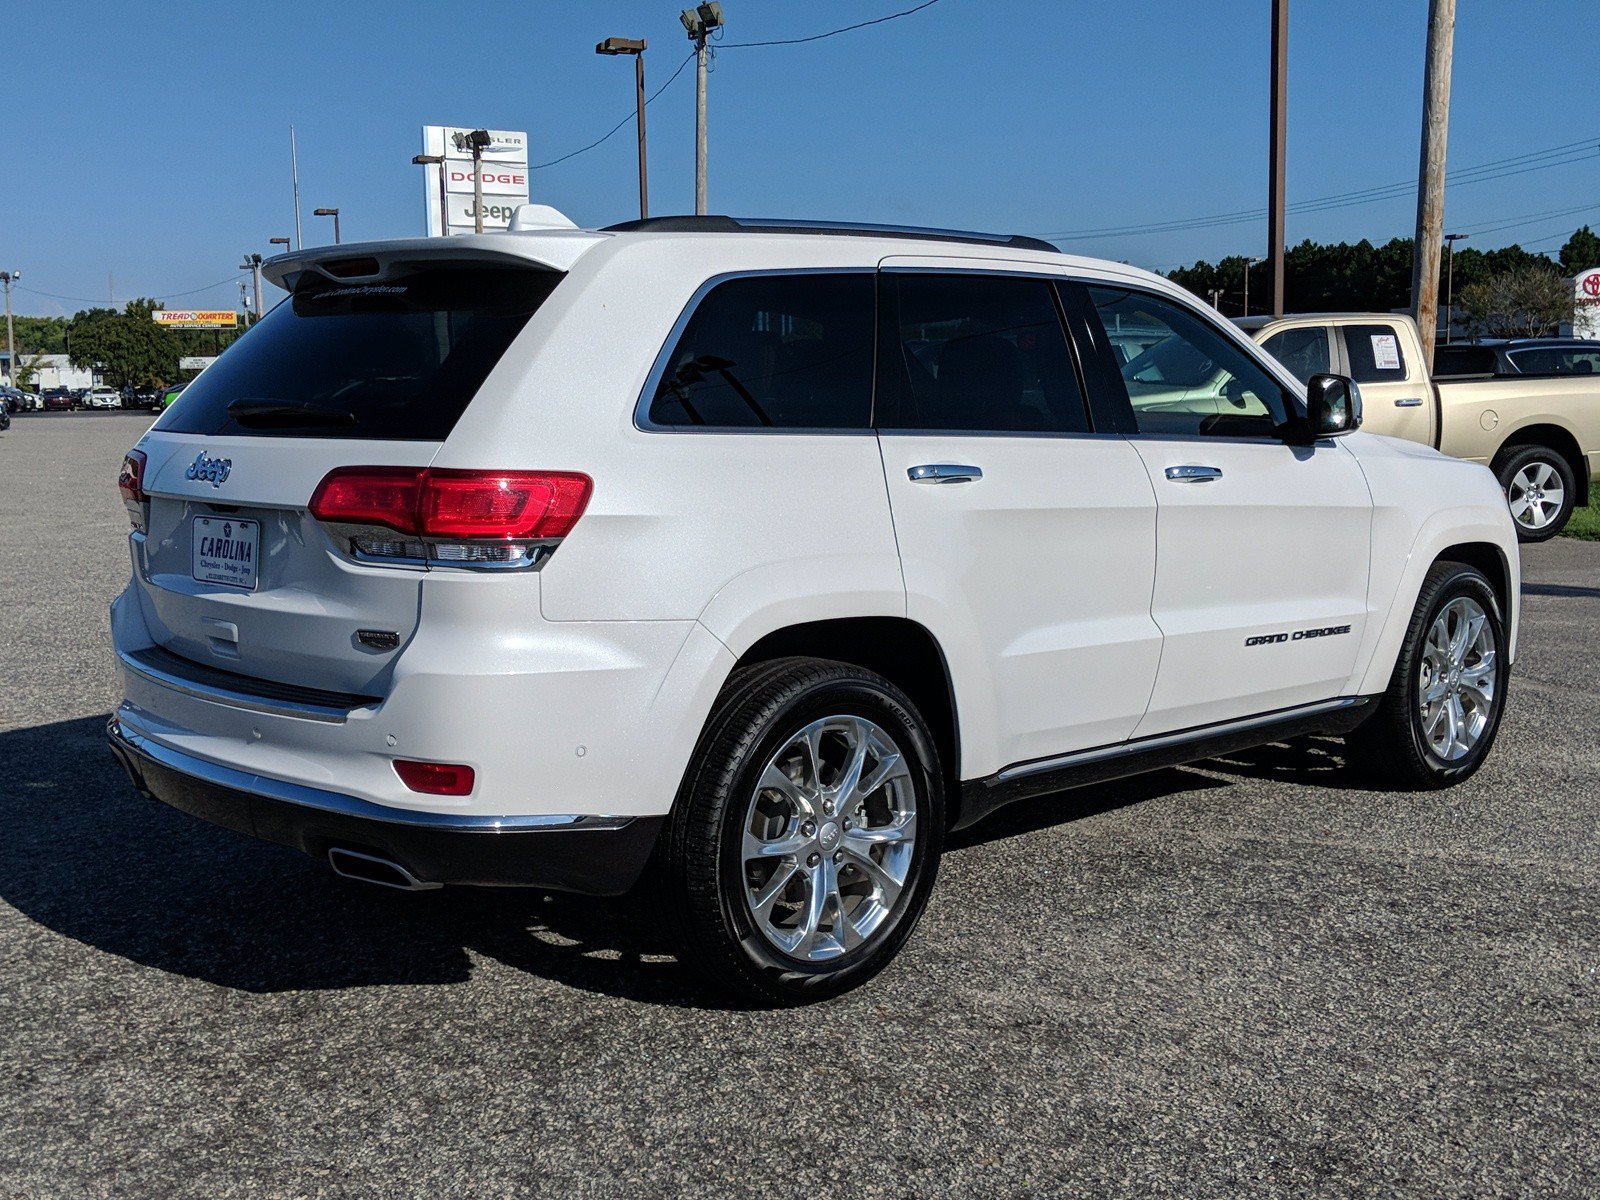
474 179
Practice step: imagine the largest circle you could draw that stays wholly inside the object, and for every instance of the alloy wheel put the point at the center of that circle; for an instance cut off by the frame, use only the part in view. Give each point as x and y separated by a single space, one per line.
1536 495
829 838
1457 679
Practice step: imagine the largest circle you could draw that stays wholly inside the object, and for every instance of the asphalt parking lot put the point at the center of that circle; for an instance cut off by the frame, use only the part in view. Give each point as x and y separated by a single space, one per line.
1242 978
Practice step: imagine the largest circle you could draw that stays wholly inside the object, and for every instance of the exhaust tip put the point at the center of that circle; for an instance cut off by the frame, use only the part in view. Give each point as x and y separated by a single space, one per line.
370 868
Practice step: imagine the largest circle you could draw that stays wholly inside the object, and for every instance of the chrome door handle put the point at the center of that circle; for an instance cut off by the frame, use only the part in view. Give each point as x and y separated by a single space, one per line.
944 473
1409 402
1193 474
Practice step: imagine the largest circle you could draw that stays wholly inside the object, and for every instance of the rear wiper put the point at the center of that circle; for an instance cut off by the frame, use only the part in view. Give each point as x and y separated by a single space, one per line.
284 413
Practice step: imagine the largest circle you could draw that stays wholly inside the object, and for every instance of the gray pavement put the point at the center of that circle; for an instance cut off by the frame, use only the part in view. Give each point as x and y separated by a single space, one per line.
1242 978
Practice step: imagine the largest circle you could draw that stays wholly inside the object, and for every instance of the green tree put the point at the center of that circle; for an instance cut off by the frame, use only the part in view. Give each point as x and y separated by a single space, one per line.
28 367
1581 252
127 348
1529 300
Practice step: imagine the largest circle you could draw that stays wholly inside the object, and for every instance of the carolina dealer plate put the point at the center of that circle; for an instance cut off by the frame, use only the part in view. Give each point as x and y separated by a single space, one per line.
226 551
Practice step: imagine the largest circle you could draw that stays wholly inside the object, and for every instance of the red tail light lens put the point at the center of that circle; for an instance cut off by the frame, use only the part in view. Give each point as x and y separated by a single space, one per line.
455 505
505 505
130 482
435 779
384 496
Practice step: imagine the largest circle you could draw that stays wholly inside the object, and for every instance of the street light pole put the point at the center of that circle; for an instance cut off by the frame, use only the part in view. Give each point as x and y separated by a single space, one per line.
1450 240
329 212
437 160
700 21
635 47
6 278
1248 263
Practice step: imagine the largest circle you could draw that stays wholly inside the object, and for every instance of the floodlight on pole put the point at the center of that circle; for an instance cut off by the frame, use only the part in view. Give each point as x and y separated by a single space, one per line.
329 212
1248 263
636 48
699 22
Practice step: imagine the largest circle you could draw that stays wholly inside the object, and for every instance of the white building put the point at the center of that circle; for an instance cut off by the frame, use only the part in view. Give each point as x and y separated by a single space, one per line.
54 371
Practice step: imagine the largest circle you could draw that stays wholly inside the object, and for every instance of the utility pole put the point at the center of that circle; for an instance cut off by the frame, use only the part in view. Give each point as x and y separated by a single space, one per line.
700 21
635 47
1450 240
252 263
477 141
294 170
1248 263
1275 154
1430 183
1216 299
6 278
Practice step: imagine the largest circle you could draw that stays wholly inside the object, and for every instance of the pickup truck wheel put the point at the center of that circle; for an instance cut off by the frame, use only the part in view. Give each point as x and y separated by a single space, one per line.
1438 719
806 837
1540 491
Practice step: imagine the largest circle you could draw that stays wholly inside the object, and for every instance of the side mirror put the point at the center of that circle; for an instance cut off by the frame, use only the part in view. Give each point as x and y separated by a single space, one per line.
1333 405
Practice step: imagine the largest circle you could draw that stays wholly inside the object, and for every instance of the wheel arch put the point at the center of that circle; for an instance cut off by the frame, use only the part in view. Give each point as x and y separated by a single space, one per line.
901 650
1552 437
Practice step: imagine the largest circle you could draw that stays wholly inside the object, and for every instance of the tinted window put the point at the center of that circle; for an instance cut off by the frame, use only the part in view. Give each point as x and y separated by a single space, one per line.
976 352
1193 379
397 359
1463 360
1303 351
773 351
1557 360
1375 353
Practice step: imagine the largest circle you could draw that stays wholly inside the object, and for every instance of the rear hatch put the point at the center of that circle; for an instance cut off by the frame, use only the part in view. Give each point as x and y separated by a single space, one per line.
234 573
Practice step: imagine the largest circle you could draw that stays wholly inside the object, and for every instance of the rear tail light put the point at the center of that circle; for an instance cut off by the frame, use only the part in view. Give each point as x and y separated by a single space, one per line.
435 779
130 482
463 518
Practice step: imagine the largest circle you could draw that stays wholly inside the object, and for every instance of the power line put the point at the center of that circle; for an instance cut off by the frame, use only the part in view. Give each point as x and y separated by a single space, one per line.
817 37
607 136
1538 160
97 299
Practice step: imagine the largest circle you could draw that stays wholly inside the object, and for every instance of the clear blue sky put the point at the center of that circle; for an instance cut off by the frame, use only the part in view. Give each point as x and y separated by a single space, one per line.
150 141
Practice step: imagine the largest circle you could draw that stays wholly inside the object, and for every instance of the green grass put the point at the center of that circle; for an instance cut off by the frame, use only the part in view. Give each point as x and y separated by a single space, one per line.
1585 523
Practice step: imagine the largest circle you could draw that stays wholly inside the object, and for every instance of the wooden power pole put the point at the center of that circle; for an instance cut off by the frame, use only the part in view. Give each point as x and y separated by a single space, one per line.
1430 183
1280 96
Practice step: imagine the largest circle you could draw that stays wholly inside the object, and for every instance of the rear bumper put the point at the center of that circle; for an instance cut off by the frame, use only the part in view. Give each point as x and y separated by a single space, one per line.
597 856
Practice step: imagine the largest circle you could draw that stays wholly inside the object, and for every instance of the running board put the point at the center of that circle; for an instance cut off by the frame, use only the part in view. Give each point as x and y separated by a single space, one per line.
1020 781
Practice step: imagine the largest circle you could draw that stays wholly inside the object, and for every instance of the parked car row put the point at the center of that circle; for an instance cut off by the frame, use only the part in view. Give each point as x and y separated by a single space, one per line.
14 400
100 398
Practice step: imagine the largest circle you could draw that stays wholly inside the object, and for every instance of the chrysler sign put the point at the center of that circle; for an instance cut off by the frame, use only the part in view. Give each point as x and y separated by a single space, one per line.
451 188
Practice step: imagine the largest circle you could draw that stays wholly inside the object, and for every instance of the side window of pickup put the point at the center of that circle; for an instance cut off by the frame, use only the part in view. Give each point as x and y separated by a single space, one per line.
1374 353
1305 350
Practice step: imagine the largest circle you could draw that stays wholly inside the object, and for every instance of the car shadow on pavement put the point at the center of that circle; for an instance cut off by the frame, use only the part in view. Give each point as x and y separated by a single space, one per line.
1559 589
85 855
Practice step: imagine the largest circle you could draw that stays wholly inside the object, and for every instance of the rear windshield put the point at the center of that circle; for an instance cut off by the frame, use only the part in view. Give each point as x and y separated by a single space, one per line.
398 359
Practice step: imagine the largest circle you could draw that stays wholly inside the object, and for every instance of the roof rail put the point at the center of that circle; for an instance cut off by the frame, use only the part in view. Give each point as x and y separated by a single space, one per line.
721 224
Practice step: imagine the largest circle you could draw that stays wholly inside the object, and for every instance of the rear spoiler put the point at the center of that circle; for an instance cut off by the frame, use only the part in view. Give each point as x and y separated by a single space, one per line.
548 249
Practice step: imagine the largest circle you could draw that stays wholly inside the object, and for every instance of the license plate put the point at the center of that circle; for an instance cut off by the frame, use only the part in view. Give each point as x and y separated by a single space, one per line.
226 551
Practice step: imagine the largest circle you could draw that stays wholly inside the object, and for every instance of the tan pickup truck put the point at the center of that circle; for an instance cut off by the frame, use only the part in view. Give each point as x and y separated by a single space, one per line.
1540 434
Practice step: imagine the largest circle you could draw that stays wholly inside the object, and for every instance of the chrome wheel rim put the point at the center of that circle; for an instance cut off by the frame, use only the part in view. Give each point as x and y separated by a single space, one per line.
1536 495
828 838
1457 678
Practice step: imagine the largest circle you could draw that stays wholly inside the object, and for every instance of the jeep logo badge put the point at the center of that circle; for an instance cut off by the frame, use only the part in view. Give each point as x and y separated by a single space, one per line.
214 469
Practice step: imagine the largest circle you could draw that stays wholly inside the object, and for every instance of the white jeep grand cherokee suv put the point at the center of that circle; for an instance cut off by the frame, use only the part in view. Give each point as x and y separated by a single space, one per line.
766 555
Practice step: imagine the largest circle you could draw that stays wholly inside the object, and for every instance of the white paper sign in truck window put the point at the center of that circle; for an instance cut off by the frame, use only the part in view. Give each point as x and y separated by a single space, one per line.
1385 352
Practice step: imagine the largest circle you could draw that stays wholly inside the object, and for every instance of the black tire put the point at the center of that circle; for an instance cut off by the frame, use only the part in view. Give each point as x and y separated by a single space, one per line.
700 870
1519 459
1390 748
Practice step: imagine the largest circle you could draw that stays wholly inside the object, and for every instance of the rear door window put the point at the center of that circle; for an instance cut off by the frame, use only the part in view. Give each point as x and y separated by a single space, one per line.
985 353
1557 360
785 351
1305 351
396 359
1375 353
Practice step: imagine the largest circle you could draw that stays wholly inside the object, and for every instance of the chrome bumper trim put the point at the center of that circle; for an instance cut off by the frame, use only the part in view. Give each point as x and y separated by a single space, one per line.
298 709
337 803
